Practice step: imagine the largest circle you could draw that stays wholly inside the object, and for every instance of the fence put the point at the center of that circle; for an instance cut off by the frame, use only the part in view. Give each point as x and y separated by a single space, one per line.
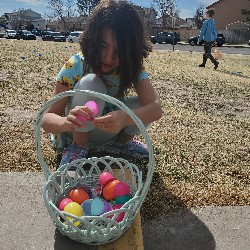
232 36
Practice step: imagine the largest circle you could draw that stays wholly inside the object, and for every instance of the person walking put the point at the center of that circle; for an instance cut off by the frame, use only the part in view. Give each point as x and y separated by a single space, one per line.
208 33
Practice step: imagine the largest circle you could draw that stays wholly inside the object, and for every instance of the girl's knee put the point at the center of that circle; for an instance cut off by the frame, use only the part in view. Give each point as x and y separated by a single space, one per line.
91 82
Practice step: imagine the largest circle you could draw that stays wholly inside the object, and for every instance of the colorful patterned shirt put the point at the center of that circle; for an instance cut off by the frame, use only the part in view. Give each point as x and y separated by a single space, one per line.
76 67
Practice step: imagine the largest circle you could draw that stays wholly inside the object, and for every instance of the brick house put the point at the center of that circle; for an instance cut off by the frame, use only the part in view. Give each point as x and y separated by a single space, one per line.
228 12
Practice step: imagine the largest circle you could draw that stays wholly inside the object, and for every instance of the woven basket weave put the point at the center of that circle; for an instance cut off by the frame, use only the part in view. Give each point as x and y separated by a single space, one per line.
93 230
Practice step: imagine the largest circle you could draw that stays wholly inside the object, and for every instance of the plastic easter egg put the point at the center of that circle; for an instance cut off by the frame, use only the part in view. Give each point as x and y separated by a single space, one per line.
108 190
86 207
75 209
121 215
97 206
106 206
105 177
121 189
122 199
92 106
78 195
63 203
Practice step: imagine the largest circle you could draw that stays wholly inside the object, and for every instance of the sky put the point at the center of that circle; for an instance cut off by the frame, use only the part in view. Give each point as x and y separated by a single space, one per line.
186 7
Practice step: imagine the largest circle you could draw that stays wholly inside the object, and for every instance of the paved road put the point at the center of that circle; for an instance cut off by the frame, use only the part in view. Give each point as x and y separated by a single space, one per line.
25 223
186 47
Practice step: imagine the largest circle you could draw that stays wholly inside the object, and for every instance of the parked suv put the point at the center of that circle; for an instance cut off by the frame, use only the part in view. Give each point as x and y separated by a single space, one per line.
74 36
25 35
54 36
194 40
10 34
165 37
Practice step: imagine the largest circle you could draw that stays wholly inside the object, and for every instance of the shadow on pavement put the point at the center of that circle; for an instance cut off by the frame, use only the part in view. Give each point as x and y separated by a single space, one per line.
168 225
65 243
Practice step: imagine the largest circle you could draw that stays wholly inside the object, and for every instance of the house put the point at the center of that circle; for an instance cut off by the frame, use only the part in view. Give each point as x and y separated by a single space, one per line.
28 16
189 24
228 12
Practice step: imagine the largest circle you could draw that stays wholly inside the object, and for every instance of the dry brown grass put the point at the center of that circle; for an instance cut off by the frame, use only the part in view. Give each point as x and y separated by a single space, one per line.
202 143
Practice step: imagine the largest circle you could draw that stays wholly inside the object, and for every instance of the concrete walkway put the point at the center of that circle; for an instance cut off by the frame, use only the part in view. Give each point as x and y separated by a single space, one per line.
25 223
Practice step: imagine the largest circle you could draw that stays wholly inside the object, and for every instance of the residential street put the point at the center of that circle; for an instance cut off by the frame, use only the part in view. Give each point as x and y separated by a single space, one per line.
182 46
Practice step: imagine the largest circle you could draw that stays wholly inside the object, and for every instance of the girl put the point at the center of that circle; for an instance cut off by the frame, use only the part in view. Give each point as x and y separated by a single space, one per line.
113 47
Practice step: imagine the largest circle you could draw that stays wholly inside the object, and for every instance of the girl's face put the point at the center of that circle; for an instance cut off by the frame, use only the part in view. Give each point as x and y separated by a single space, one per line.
109 56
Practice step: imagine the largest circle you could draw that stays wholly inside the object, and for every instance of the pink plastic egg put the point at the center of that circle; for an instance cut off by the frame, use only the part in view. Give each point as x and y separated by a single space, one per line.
121 215
121 189
92 106
63 203
105 177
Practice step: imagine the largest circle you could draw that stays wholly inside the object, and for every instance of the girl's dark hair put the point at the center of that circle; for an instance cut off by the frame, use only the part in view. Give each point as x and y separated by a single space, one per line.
125 23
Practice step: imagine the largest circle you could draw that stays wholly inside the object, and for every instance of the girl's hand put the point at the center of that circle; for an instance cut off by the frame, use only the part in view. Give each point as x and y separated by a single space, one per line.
74 122
112 122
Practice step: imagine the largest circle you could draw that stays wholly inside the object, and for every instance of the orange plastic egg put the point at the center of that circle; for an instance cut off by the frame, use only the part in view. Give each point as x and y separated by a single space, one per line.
108 190
78 195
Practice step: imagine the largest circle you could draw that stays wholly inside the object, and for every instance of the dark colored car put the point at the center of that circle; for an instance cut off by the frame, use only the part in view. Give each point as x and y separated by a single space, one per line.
54 36
165 37
25 35
194 40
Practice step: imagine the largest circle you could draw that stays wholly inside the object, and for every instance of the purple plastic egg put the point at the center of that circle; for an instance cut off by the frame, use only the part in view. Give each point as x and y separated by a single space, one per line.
106 207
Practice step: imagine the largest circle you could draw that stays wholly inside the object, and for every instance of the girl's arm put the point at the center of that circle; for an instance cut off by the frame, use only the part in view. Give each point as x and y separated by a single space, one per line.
150 100
54 120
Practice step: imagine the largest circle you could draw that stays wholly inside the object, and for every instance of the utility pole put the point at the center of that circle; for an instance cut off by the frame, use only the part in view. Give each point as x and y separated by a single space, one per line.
173 27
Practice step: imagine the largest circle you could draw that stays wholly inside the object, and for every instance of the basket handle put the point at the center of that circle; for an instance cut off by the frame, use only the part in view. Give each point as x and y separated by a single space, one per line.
107 98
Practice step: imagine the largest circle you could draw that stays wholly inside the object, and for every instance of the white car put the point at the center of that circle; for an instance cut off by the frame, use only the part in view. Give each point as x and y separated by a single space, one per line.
10 34
74 36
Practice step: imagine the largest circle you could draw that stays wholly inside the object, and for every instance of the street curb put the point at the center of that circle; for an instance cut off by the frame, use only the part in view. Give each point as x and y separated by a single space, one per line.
224 45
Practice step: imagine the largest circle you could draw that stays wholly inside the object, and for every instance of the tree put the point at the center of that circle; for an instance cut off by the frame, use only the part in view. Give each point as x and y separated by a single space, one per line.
199 16
165 9
246 12
85 6
19 19
60 10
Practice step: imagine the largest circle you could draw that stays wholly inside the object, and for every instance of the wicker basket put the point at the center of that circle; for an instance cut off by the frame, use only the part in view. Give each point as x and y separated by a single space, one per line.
94 230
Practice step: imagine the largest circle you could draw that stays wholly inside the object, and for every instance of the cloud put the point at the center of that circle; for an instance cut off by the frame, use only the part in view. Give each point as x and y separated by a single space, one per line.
33 2
186 13
207 2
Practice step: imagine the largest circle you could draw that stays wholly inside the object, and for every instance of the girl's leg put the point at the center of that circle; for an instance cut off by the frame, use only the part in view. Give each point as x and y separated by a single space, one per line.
79 148
125 142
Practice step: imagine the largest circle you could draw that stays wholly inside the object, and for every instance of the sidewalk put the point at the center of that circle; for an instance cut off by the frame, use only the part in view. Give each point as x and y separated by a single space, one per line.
25 223
224 45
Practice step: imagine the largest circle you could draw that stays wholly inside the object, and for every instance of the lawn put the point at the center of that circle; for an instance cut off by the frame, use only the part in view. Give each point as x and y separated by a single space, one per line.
202 142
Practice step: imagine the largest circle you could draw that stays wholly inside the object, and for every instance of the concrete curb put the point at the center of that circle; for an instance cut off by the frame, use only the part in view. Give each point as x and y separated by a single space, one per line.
224 45
25 223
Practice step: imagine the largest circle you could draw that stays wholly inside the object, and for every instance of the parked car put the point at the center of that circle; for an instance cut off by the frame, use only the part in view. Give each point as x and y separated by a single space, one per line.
165 37
194 40
74 36
10 34
55 36
25 35
248 42
36 32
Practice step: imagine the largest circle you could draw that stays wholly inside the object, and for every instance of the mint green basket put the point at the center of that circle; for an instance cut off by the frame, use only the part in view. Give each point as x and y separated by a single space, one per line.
94 230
